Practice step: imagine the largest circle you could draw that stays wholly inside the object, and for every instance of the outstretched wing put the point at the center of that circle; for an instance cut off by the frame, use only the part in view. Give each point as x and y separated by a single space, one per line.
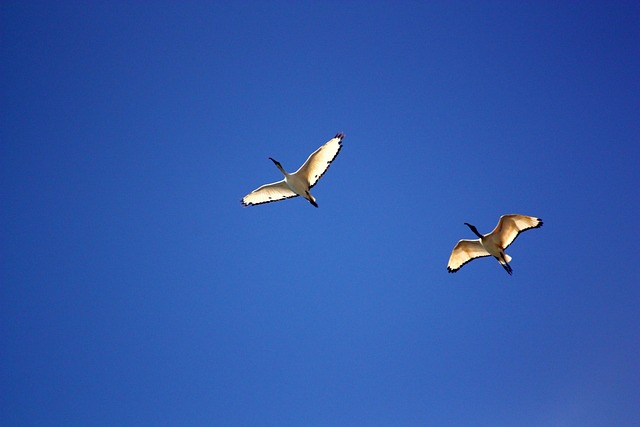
320 160
268 193
510 226
465 251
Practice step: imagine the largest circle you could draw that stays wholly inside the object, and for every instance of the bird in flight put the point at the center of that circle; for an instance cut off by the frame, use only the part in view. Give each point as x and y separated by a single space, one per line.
301 181
492 244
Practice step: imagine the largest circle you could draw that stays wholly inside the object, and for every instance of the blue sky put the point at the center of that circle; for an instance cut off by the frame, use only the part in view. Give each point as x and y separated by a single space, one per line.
136 290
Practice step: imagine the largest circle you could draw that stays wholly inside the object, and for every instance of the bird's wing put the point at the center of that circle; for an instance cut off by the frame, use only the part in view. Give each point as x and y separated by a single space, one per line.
268 193
465 251
320 160
510 226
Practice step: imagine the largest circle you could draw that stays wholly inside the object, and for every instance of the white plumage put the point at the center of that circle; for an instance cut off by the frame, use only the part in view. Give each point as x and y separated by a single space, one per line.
301 181
492 244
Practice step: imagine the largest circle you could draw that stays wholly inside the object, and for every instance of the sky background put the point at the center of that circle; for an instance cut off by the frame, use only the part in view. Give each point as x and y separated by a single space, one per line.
136 290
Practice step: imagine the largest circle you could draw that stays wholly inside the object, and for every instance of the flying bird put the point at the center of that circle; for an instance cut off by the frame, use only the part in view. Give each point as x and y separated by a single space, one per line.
492 244
301 181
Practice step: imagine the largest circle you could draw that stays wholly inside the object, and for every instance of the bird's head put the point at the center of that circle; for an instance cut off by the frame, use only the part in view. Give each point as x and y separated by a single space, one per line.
277 163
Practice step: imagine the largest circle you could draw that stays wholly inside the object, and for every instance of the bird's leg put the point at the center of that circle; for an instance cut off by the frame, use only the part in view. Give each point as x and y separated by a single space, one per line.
505 264
311 199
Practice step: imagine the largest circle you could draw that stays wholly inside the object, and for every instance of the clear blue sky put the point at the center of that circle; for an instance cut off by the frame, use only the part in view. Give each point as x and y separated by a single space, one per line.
137 291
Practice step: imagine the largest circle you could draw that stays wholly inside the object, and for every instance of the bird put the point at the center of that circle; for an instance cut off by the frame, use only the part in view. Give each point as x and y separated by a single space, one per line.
492 244
301 181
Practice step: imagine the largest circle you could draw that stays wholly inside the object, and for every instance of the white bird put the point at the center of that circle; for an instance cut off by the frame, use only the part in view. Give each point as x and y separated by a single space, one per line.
492 244
301 181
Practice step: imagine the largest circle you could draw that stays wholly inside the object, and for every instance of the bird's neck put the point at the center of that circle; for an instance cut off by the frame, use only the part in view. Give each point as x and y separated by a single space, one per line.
279 166
475 230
